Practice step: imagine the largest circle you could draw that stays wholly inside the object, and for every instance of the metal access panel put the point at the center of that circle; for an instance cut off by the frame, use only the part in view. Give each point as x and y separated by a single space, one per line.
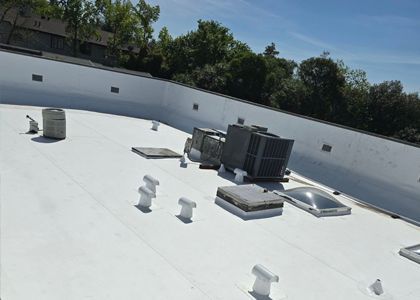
149 152
236 146
198 137
212 149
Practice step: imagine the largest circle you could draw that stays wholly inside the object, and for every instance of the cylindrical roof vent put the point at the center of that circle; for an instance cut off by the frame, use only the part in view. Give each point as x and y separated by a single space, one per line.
54 123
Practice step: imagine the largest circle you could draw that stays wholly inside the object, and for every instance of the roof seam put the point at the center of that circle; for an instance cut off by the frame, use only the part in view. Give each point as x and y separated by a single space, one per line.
132 230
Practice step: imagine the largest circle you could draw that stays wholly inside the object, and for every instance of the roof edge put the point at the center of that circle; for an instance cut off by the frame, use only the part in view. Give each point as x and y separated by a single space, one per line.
220 95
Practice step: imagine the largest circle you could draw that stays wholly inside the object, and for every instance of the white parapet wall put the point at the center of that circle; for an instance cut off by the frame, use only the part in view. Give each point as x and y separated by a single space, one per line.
380 171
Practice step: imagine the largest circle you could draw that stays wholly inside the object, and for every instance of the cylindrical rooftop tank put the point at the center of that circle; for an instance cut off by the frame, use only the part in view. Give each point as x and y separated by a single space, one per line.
54 123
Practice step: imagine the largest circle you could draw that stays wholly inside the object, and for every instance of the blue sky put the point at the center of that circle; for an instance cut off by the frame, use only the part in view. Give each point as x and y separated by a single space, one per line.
381 37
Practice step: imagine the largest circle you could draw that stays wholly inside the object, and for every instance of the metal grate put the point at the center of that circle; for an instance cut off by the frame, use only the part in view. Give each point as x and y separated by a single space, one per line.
326 148
115 90
267 156
36 77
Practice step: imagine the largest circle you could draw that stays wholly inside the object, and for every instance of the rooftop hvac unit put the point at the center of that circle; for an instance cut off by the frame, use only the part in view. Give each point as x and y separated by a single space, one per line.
198 137
209 143
212 149
263 155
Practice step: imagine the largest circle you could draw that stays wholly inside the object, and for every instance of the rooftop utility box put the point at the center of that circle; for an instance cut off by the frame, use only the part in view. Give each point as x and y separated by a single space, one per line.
263 155
212 149
209 142
54 123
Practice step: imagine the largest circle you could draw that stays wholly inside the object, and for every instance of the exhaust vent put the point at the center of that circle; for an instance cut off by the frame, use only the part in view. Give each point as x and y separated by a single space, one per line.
326 148
36 77
54 123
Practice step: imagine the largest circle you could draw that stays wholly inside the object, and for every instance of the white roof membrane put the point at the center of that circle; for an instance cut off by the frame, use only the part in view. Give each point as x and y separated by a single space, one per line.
70 228
378 170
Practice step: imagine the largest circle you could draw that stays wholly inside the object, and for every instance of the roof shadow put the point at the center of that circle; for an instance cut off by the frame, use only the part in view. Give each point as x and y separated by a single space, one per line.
143 209
229 176
258 296
44 140
269 185
184 220
30 133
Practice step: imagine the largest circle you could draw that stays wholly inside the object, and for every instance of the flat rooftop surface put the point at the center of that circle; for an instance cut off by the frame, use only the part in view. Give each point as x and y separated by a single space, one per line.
70 228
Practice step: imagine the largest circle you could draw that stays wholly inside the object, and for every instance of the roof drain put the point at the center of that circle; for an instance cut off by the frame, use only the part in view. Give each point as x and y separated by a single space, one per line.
151 183
263 281
155 125
187 206
376 287
146 196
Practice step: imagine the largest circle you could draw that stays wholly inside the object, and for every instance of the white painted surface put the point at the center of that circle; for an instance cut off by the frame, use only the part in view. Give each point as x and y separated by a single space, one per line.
378 171
70 228
264 278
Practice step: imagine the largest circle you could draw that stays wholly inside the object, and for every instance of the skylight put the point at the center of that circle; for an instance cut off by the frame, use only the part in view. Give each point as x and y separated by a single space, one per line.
315 201
412 253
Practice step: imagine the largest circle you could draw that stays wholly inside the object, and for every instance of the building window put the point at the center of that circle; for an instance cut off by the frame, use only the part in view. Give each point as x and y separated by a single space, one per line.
241 121
85 48
195 106
57 42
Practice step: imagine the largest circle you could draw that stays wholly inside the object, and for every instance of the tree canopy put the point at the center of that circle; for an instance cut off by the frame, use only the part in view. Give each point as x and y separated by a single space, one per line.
211 58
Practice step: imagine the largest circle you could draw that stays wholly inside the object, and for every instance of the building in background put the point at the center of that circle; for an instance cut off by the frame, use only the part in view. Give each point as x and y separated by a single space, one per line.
48 34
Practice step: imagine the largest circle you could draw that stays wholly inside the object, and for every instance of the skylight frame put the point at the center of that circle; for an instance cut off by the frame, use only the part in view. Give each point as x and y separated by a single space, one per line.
318 212
411 253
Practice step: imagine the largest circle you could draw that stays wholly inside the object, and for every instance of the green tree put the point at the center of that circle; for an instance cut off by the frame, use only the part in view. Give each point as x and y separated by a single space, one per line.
211 43
119 19
324 83
156 62
356 93
209 77
278 70
409 134
247 74
271 50
289 95
145 15
164 40
391 110
82 20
